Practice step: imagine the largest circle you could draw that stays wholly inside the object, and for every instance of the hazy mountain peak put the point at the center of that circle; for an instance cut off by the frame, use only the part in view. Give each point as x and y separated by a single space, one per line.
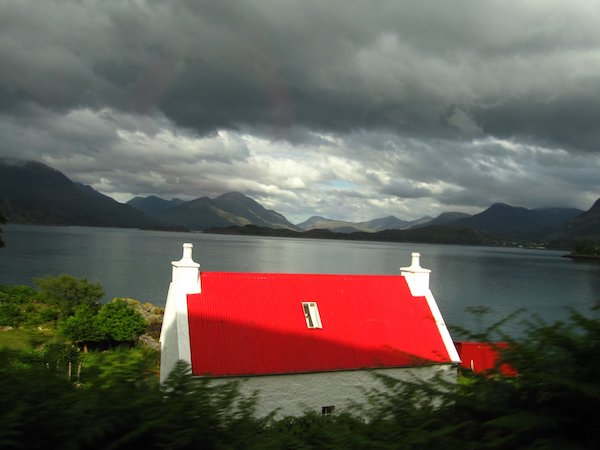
233 195
500 206
14 162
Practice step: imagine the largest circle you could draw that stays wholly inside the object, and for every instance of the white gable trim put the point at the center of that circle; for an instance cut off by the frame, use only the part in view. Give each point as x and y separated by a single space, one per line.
417 279
443 329
175 330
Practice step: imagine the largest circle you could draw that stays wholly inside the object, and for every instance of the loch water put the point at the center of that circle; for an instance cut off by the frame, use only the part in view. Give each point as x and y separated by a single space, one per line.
137 264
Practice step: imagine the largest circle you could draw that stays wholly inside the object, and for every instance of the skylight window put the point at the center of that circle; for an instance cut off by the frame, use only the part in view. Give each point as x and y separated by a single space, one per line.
311 314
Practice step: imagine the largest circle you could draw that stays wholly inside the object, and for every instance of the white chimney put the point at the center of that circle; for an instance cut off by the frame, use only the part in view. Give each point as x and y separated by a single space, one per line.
186 272
416 276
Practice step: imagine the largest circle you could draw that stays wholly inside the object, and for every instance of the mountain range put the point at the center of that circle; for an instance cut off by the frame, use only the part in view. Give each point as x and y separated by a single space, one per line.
369 226
31 192
202 213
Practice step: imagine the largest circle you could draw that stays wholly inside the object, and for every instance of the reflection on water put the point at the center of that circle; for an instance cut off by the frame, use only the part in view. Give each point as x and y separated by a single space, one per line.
135 263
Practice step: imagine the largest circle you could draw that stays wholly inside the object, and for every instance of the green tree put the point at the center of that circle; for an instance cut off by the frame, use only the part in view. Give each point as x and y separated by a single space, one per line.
83 328
67 292
119 322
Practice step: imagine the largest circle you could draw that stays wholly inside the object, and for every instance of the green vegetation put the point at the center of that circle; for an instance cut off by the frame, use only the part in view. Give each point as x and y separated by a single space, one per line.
587 248
83 327
23 305
54 395
67 293
115 322
118 322
66 309
24 338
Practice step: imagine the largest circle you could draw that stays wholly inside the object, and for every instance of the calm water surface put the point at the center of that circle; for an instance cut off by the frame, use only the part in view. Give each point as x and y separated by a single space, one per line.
137 264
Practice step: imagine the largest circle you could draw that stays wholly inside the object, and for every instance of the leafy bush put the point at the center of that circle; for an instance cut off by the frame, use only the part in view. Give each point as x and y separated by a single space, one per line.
119 322
115 322
20 305
10 315
132 367
66 293
83 327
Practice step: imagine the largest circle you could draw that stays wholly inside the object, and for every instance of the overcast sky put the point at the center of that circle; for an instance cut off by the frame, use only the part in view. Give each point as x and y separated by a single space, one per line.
347 109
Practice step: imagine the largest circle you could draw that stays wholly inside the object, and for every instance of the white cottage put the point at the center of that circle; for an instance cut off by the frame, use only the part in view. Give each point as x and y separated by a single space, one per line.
304 341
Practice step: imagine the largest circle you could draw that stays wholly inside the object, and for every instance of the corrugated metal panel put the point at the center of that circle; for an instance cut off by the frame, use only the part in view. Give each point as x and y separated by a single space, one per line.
482 356
252 323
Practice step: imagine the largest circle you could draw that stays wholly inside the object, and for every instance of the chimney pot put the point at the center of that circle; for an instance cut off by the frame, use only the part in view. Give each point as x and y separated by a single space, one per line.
415 260
186 271
416 276
187 251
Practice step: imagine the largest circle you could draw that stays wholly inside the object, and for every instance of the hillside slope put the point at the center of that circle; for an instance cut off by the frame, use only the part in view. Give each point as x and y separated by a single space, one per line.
585 226
240 205
152 205
232 208
368 226
32 192
510 222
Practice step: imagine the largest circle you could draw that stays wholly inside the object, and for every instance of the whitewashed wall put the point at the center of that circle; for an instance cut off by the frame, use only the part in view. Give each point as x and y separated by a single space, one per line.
294 394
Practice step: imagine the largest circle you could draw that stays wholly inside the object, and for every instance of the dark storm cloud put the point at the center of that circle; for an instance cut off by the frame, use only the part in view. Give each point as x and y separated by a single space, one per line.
354 108
452 69
569 122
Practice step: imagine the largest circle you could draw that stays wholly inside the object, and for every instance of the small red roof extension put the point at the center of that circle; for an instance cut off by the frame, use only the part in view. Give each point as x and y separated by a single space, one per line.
483 356
253 323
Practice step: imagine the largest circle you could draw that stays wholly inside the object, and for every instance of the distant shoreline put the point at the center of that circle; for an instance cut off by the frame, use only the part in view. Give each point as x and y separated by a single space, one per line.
435 234
583 257
427 235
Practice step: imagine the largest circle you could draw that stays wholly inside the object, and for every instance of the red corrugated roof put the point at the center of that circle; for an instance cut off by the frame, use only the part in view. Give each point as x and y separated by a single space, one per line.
253 323
482 356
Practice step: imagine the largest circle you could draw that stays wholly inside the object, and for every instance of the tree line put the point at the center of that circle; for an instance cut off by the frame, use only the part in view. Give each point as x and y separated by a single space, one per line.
72 307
